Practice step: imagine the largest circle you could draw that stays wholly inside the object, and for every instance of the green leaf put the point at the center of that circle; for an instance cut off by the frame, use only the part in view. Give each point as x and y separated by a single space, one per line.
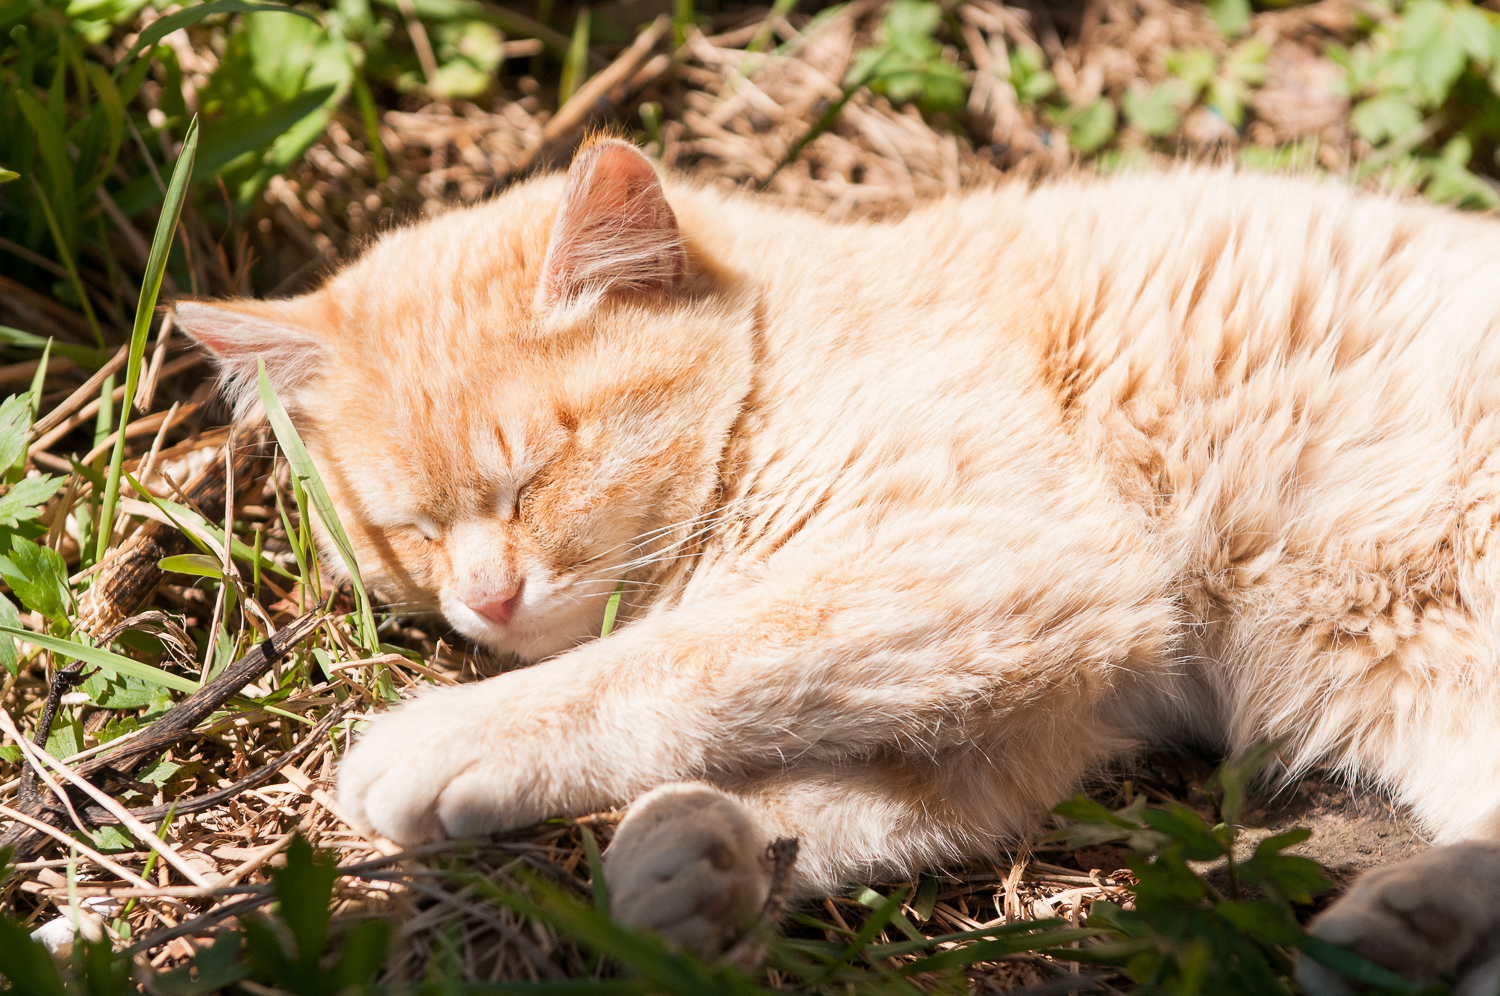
27 964
39 578
1093 127
116 691
1232 16
1155 111
1265 921
926 897
7 175
193 563
24 500
156 265
164 26
1385 117
15 428
1196 67
53 146
194 527
611 608
112 840
159 772
110 661
9 616
1354 966
307 473
65 739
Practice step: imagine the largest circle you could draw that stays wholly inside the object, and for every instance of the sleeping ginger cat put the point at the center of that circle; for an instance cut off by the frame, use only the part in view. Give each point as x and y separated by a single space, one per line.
918 523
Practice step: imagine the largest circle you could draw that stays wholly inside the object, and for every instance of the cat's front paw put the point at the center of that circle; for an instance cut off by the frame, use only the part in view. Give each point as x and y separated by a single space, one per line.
690 863
1432 918
450 763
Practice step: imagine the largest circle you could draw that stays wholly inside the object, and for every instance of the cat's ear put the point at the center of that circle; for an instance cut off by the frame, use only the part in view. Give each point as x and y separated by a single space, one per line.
615 231
241 333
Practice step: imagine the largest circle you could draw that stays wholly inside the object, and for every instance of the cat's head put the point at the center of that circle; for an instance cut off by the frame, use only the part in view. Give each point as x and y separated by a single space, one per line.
513 406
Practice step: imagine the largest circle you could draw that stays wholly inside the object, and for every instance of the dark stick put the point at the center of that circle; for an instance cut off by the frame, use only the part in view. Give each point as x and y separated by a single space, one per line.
101 817
178 724
65 678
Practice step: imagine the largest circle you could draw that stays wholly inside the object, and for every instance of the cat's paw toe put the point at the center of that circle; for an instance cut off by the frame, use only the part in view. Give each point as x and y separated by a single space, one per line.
689 863
1435 917
427 771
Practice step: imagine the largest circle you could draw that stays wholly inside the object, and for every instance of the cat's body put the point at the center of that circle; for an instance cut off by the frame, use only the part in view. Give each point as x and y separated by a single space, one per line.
920 522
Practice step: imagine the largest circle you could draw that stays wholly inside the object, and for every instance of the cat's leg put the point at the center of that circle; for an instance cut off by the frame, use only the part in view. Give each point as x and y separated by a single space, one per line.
1426 730
831 669
690 859
1430 918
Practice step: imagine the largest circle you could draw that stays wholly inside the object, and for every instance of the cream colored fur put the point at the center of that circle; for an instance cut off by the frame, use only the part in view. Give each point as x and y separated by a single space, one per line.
922 522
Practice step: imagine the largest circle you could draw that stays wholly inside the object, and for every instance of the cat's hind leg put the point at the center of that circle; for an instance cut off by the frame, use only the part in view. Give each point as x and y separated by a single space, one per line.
690 859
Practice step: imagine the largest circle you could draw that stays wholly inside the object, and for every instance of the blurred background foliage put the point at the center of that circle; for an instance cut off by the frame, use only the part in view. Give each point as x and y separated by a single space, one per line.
96 95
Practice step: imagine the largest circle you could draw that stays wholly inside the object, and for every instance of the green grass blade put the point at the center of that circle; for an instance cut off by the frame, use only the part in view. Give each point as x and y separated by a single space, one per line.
66 255
53 145
611 609
156 265
762 39
576 63
596 869
304 470
107 659
91 359
192 525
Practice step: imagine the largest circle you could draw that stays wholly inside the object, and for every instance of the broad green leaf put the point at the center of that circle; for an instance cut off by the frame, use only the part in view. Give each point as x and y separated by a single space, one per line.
25 498
164 26
1232 16
112 840
156 265
1094 126
1155 110
65 738
1381 118
193 563
108 660
119 691
9 616
159 772
15 428
1196 67
28 965
39 578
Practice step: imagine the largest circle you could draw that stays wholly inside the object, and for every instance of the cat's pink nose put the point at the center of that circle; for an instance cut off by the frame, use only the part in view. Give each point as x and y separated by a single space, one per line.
499 605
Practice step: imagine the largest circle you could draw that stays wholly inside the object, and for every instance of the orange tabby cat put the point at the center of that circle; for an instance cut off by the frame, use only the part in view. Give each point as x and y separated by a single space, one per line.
918 523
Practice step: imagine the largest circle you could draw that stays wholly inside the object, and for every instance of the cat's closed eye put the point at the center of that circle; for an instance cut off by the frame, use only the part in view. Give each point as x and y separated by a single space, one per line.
426 527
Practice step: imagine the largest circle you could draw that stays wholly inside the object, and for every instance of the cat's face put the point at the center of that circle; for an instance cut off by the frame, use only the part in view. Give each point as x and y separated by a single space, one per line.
515 407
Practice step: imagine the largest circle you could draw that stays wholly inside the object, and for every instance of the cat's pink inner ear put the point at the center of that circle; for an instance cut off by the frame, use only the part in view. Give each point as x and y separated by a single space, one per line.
239 339
614 231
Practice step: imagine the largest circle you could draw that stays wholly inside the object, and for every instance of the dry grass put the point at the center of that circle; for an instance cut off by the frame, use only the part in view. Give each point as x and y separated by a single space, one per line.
732 118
